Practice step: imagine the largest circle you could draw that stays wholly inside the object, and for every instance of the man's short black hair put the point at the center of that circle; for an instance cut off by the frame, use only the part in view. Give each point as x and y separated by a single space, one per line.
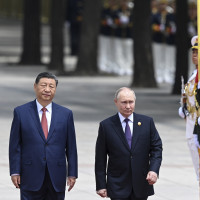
46 75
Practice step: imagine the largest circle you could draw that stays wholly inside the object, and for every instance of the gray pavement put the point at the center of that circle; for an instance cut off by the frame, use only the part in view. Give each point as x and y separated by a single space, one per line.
91 99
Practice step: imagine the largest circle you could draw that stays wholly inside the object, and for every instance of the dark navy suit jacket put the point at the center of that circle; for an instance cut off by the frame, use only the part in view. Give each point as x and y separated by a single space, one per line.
30 153
120 169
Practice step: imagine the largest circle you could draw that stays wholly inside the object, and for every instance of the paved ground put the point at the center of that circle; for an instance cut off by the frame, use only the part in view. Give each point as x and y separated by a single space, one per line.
91 99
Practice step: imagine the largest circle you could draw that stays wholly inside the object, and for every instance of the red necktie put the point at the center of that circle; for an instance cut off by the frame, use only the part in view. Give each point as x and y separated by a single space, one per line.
44 122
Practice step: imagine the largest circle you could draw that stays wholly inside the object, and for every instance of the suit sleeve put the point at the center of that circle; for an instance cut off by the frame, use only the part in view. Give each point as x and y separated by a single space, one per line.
155 149
71 150
100 159
15 145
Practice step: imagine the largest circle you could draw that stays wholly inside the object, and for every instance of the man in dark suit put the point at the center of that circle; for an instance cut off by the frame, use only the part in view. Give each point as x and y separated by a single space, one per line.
42 137
128 152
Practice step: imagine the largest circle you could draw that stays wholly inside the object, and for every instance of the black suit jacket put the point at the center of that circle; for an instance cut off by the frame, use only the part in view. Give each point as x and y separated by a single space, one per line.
120 169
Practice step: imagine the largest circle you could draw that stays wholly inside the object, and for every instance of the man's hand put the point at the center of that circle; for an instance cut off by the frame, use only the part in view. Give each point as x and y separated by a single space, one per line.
102 193
152 177
16 180
196 141
181 113
71 182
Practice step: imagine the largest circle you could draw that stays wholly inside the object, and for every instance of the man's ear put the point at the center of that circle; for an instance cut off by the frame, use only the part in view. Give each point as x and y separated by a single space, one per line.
34 86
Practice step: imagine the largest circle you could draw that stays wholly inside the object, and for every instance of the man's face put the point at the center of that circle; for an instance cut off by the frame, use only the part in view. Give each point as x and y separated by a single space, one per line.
125 102
195 56
45 90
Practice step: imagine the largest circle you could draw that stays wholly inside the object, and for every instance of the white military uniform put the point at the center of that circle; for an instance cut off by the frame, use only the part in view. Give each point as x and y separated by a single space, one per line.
190 121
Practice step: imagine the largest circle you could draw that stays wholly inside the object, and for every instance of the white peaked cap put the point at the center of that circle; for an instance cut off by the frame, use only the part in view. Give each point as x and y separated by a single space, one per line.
193 40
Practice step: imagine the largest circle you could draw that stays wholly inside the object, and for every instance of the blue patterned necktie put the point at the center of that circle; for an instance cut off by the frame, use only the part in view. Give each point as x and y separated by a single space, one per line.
128 132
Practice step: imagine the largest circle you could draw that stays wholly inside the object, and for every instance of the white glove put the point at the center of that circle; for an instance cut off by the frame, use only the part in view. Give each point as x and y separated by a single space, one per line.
195 137
181 113
199 120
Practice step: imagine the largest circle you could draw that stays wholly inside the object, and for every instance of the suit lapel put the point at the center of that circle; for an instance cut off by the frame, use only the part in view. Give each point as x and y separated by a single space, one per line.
136 130
118 129
34 114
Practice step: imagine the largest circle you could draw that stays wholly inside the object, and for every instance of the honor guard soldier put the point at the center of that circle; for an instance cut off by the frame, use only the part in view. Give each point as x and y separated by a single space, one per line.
109 18
188 112
124 20
192 24
197 104
158 25
170 29
74 17
159 22
170 49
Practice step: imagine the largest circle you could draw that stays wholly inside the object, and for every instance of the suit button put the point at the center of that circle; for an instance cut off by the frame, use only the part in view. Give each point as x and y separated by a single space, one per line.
44 158
131 157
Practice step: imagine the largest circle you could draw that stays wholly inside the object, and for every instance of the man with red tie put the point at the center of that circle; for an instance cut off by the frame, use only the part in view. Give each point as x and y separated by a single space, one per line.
42 137
128 152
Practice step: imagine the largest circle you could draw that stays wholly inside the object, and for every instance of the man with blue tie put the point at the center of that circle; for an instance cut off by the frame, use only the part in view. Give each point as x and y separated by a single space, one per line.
42 137
128 152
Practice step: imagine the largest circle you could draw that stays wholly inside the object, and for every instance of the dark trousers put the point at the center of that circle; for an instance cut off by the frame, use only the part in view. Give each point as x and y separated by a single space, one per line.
131 197
46 192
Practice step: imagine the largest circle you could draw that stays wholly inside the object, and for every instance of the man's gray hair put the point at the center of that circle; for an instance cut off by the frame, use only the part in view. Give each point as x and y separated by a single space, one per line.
122 88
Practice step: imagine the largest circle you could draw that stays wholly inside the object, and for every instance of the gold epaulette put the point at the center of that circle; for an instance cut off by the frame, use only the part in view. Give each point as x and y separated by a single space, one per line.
187 92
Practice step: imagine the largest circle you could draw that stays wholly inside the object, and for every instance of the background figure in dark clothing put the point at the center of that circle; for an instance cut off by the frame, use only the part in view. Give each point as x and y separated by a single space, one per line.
74 17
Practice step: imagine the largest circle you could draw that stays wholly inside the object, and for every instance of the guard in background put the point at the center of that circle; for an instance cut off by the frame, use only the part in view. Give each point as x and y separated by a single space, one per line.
170 47
106 49
74 17
109 18
115 40
124 28
158 25
188 112
192 24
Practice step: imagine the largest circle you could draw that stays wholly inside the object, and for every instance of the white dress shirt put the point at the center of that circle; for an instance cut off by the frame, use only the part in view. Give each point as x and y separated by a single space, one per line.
130 122
48 112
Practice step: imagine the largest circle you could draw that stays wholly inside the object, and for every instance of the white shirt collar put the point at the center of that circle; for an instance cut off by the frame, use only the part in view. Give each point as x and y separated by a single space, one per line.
39 106
122 118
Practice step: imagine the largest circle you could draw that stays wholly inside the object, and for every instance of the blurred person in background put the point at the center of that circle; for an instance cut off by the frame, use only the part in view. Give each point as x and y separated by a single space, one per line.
74 18
154 6
192 26
158 24
170 36
115 41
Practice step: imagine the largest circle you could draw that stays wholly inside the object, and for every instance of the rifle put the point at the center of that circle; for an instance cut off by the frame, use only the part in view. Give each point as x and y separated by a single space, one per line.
183 98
